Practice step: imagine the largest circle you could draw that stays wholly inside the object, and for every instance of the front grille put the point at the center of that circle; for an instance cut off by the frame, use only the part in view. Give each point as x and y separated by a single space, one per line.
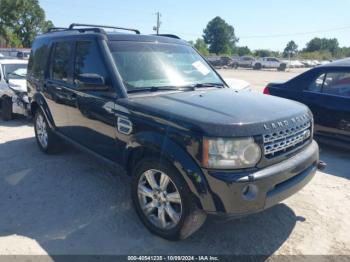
280 142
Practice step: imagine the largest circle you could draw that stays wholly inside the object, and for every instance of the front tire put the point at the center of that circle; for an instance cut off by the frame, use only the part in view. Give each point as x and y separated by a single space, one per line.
282 67
47 141
257 66
7 109
163 201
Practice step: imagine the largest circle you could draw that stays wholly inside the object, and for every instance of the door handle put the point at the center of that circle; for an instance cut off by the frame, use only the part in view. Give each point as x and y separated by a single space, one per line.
73 95
344 125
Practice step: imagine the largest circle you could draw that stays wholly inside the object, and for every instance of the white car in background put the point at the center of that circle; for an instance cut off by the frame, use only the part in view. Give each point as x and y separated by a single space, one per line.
13 88
238 84
324 62
269 62
296 64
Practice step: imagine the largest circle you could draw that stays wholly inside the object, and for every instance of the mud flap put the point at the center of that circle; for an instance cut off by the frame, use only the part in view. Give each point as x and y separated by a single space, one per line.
193 222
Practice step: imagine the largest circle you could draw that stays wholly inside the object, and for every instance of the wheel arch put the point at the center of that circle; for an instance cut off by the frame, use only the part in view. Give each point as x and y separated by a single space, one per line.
39 102
154 144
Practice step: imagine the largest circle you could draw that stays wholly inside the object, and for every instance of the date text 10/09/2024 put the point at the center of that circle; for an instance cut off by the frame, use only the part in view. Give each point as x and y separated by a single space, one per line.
173 258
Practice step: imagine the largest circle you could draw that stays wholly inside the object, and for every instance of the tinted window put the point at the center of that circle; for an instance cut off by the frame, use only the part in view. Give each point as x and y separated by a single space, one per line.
316 85
337 83
38 59
61 61
88 60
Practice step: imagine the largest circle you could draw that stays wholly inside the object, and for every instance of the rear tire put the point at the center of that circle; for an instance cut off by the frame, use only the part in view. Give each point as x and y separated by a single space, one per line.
181 217
7 109
47 141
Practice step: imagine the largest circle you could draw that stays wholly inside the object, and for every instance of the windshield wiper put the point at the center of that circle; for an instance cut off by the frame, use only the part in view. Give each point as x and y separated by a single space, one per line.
207 85
155 88
180 88
14 74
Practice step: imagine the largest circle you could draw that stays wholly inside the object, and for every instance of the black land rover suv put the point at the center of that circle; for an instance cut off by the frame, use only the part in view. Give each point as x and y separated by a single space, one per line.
153 105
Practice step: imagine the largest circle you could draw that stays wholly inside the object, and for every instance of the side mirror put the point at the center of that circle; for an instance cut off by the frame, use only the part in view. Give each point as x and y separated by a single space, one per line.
91 82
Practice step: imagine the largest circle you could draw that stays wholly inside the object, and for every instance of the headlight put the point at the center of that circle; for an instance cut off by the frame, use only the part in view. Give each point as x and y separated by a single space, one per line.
227 153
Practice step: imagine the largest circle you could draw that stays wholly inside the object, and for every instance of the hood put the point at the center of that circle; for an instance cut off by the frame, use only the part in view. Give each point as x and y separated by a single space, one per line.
19 85
218 112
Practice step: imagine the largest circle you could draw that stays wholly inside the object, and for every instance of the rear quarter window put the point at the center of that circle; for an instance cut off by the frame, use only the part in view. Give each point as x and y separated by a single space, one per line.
38 58
316 84
337 83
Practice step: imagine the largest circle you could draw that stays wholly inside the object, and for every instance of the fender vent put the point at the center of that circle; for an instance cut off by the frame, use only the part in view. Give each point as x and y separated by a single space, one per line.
124 126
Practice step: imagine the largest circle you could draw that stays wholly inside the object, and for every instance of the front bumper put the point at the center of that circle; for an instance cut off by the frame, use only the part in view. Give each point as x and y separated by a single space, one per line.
242 194
20 105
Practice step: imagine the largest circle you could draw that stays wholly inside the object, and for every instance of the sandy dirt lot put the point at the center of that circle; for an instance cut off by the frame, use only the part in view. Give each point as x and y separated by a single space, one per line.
71 204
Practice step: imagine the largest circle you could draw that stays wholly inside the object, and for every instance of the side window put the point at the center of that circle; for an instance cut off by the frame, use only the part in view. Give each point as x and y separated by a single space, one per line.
316 85
337 83
61 61
88 61
38 59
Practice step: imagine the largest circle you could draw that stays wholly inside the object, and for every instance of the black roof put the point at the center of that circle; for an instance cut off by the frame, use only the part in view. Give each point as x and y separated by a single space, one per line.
339 63
111 36
144 38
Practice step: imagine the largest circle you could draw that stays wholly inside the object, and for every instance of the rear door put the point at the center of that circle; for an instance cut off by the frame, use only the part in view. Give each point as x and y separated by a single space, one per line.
56 86
336 89
312 96
91 114
272 62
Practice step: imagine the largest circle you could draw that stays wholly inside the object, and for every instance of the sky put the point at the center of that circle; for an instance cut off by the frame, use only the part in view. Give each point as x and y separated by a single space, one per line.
267 24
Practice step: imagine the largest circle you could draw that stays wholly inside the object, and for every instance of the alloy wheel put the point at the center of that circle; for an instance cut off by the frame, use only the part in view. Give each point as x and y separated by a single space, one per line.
159 199
41 131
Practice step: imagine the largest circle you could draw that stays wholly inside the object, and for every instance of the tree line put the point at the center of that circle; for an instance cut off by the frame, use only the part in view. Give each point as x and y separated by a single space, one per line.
21 21
219 38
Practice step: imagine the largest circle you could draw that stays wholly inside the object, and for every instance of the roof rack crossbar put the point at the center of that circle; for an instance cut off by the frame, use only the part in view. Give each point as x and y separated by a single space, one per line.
168 35
71 27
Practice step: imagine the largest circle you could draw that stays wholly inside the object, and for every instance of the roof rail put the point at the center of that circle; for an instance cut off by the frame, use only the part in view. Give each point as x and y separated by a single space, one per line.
54 29
168 35
71 27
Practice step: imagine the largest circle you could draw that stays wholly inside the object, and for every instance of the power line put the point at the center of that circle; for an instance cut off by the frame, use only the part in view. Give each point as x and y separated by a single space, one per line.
274 35
297 34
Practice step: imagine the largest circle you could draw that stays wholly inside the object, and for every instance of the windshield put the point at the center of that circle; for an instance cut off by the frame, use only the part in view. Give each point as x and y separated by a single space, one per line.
14 71
145 65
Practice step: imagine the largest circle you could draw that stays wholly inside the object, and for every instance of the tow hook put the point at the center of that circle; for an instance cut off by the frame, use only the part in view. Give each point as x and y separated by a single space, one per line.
321 165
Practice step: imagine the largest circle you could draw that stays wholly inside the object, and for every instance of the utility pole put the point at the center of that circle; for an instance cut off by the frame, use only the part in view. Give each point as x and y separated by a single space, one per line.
156 28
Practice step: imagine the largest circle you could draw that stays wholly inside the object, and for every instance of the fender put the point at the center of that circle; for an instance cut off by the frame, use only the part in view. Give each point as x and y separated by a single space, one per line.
183 162
39 99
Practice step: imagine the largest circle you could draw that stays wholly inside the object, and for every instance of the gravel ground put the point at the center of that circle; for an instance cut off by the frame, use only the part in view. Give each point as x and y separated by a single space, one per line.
71 204
259 78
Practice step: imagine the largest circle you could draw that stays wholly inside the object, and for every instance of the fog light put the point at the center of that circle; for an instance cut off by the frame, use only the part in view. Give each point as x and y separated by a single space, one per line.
249 192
